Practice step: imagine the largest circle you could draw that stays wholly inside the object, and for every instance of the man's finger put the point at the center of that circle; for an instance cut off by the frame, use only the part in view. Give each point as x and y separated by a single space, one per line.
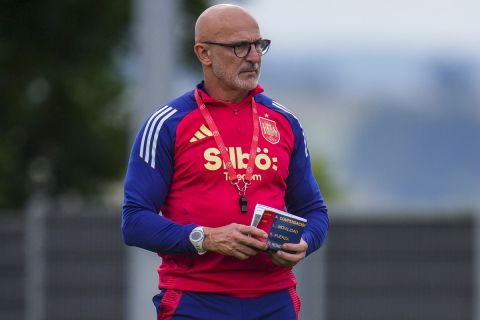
253 231
246 250
289 256
279 261
302 246
253 243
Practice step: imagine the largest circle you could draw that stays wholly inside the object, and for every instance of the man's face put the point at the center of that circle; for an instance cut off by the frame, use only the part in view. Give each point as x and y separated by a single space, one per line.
235 72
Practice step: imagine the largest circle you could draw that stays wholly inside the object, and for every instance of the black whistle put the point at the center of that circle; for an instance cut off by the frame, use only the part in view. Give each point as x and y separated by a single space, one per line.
243 204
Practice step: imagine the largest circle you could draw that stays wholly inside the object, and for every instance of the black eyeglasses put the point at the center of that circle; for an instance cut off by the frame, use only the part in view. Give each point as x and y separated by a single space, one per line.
242 49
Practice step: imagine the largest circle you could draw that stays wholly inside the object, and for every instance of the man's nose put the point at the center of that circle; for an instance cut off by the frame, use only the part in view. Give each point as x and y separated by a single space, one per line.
253 54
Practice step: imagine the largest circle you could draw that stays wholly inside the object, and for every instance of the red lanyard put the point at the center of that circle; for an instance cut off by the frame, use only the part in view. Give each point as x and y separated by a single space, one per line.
232 175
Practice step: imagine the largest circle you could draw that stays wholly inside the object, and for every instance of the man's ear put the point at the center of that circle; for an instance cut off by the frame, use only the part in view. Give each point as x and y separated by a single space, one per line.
202 53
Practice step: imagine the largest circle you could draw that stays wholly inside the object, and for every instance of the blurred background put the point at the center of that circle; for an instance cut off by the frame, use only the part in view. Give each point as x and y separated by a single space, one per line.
388 93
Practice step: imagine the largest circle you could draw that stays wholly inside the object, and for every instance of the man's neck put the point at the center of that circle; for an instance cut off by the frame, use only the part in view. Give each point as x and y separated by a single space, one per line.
225 94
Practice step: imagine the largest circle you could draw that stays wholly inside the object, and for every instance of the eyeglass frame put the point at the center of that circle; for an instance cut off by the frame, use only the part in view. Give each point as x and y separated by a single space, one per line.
237 44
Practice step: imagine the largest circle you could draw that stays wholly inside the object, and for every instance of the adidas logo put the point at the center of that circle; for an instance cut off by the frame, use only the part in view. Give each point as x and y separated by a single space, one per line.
201 133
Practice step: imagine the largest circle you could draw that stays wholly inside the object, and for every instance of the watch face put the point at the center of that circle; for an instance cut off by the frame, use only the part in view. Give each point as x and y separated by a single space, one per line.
196 236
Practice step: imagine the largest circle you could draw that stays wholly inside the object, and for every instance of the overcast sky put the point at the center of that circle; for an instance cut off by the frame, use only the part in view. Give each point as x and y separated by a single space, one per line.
412 25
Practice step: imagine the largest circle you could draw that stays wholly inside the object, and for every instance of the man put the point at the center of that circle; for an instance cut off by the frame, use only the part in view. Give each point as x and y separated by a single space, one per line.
199 166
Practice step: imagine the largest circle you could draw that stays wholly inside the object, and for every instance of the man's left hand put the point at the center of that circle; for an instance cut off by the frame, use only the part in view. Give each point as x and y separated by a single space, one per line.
295 254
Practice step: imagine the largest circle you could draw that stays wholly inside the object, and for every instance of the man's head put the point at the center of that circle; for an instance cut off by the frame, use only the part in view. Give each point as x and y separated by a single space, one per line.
228 68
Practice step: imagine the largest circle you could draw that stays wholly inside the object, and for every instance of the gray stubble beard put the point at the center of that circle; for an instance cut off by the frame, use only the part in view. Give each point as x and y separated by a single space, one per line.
233 80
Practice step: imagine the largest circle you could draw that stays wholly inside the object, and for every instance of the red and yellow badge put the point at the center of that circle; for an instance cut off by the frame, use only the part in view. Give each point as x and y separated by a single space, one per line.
269 130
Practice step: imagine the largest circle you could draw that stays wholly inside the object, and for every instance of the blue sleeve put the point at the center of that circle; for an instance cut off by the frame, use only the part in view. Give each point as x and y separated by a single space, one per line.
303 196
147 182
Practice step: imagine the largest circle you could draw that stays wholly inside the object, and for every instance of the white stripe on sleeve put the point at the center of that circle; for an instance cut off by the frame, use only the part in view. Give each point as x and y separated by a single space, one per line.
278 105
157 132
147 128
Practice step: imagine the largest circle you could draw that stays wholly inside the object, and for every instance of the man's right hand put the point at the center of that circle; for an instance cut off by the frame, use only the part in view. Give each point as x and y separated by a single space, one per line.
234 240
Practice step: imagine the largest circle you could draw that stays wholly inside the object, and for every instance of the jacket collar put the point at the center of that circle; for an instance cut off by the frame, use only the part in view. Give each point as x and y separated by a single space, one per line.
210 101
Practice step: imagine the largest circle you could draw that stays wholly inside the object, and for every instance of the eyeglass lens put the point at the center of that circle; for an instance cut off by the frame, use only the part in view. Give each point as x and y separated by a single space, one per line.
243 49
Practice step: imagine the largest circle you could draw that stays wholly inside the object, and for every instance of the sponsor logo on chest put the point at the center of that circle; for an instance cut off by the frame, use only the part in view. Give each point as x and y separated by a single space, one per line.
263 161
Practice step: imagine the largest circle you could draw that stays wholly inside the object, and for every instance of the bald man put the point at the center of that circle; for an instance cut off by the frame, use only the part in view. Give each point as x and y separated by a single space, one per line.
199 166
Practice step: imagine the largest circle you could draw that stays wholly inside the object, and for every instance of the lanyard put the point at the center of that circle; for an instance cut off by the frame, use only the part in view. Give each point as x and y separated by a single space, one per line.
240 183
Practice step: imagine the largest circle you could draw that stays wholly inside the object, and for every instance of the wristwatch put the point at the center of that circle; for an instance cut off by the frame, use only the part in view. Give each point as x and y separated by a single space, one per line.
196 238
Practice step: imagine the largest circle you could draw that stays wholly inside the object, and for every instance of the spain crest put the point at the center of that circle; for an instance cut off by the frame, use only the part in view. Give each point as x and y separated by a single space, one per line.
269 130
